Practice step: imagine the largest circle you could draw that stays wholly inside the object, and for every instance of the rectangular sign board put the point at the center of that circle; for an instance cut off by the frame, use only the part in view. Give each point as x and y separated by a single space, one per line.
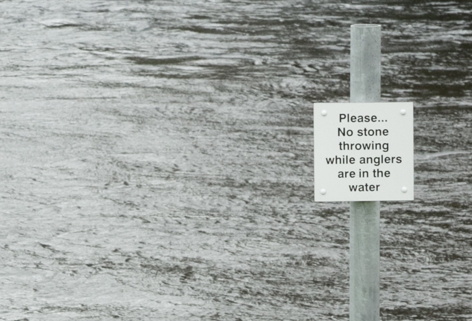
363 152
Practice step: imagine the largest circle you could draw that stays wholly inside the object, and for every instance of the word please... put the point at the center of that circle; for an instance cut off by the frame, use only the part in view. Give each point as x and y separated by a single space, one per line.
348 118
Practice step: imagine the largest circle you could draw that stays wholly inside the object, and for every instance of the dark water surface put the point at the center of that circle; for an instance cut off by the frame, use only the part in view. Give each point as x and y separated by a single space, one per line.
158 159
291 48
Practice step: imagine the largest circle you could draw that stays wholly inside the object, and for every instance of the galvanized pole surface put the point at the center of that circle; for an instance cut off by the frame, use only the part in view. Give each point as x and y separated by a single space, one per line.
364 261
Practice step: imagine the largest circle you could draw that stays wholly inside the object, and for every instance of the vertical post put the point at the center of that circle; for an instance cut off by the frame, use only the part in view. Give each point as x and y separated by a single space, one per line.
364 253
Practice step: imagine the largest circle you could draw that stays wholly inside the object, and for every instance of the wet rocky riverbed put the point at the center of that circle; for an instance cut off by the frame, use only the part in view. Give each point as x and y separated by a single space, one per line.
157 160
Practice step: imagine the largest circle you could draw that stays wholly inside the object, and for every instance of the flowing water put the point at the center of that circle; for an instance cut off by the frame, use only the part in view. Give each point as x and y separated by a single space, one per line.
292 48
158 160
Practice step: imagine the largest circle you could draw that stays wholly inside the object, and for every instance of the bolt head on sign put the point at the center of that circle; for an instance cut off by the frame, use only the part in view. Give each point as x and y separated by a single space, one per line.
363 152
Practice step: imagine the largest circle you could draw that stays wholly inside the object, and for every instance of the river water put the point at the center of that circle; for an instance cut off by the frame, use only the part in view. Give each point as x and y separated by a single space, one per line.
158 159
292 48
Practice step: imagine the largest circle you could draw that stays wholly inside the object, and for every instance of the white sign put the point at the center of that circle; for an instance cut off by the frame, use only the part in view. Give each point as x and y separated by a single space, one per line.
363 152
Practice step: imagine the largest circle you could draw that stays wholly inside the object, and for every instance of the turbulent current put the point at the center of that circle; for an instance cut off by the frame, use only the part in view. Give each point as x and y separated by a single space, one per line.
157 159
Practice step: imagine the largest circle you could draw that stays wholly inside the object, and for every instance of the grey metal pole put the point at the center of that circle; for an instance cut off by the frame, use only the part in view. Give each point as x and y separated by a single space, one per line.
364 253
